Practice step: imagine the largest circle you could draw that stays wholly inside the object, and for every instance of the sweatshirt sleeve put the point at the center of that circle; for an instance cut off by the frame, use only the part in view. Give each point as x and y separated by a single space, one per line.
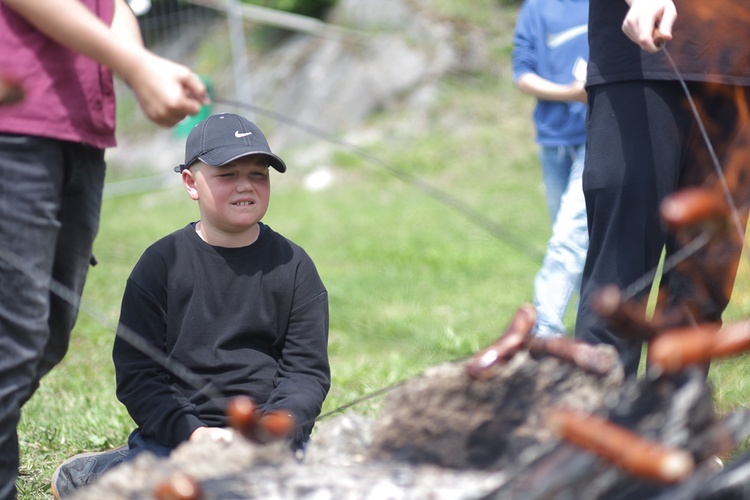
144 386
525 41
303 375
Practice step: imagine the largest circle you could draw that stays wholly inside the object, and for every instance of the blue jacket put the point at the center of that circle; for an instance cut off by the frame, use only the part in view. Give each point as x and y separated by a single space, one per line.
551 40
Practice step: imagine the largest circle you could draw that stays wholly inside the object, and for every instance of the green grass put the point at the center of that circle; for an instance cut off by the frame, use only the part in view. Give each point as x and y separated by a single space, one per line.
413 281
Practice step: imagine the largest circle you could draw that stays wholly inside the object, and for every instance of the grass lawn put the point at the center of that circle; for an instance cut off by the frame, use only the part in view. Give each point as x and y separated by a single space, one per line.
414 280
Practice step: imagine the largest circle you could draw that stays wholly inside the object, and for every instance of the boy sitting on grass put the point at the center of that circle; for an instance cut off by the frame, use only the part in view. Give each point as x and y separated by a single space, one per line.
226 298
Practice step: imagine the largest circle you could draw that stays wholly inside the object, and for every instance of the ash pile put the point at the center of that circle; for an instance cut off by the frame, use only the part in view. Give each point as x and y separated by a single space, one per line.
525 418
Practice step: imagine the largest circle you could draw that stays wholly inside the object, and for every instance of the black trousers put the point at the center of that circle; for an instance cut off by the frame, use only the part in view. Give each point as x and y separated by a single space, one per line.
644 144
50 198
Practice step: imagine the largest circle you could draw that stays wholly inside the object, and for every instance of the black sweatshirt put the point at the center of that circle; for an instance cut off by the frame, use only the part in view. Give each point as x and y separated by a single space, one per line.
252 321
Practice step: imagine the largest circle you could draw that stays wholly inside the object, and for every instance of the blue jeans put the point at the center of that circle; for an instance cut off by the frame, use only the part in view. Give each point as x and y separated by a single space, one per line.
50 198
560 274
138 444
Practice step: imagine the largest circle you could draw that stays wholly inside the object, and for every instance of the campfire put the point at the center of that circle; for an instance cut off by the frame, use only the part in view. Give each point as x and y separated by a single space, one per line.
530 424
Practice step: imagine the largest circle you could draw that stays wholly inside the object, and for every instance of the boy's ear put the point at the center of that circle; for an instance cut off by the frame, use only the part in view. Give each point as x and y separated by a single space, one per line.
188 181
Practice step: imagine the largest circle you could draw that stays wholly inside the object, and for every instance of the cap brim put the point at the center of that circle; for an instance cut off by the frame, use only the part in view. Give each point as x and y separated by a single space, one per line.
224 155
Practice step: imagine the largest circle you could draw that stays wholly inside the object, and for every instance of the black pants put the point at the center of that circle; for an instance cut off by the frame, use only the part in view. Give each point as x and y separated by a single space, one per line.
50 198
644 144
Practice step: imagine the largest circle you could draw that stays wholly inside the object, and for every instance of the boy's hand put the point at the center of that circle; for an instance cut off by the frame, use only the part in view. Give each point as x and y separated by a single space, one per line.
166 91
578 90
212 433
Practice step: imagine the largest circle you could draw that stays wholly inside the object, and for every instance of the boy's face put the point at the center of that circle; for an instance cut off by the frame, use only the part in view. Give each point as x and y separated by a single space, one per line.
232 198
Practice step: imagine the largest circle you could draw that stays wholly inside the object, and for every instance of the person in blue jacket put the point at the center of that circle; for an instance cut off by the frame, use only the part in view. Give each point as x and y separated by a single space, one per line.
550 56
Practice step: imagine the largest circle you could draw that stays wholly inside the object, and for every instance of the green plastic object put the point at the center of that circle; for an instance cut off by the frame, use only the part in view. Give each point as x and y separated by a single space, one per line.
182 129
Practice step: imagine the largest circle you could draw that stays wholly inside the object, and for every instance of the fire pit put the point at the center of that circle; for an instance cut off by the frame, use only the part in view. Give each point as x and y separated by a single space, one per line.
525 418
441 435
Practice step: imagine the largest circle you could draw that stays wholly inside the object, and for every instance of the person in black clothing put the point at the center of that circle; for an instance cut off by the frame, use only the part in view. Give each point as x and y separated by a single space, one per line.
643 144
226 298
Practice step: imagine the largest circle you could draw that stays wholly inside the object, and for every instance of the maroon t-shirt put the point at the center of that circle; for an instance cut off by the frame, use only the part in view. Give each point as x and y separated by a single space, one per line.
711 43
67 96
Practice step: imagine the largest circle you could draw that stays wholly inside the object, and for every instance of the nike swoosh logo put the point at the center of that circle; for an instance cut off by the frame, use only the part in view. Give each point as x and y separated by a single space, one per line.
556 39
238 135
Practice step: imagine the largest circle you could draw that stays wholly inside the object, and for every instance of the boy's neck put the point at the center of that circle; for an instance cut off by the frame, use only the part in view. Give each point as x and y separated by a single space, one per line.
217 238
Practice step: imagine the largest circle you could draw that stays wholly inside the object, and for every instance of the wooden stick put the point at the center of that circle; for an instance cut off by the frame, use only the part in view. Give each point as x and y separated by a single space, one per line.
659 39
623 448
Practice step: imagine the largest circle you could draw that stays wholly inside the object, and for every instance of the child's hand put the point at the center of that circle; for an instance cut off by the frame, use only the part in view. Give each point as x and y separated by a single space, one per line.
578 91
642 19
166 91
212 433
